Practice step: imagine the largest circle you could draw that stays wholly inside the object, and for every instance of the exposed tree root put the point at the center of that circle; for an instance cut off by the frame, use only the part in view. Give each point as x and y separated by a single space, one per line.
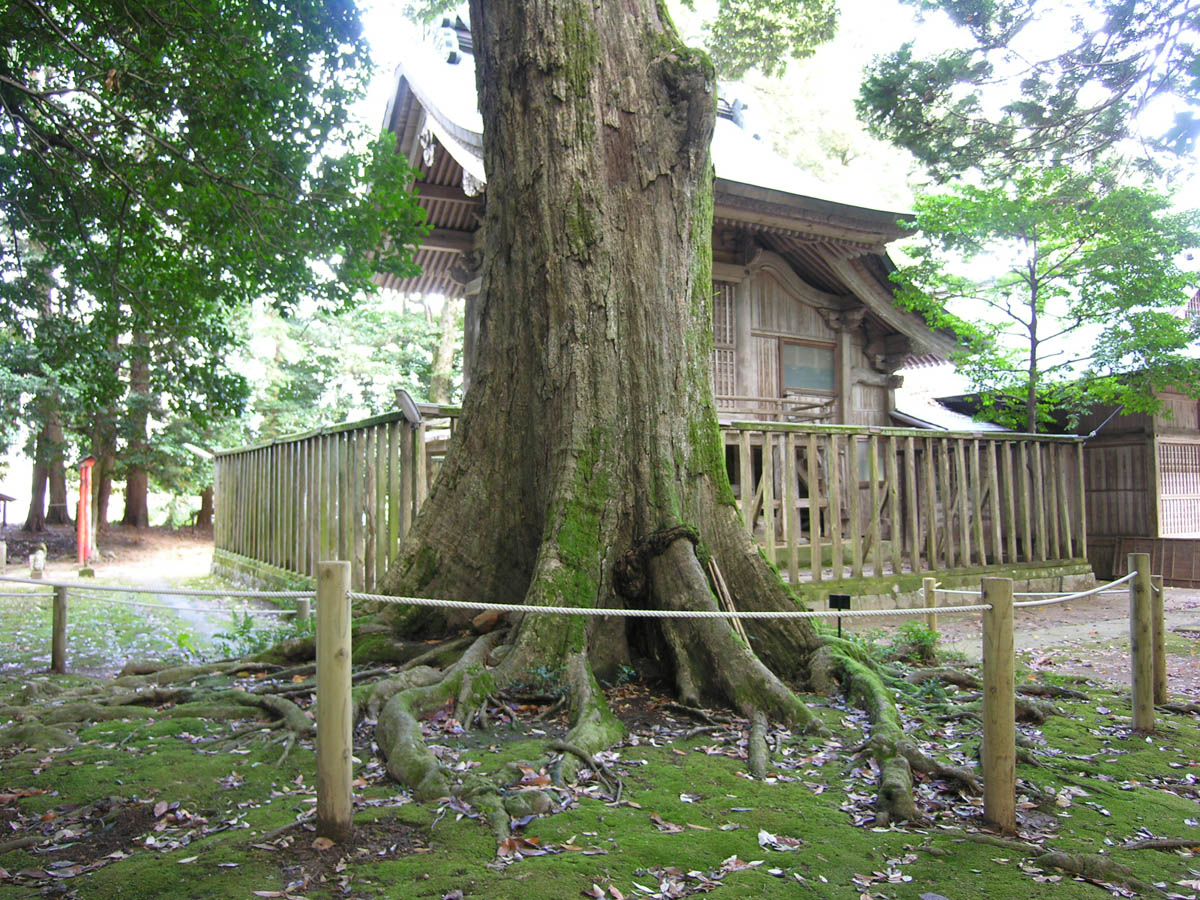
1095 868
1181 708
700 715
865 688
1012 845
1050 690
758 756
1163 844
896 755
382 691
609 778
22 842
1027 710
921 762
709 657
1030 711
398 731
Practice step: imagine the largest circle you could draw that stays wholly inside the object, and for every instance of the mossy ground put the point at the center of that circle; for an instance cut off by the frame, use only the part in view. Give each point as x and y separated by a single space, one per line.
686 804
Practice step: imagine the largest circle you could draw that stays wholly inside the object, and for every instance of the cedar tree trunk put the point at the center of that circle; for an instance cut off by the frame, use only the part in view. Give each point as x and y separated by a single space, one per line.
589 469
204 516
48 471
35 519
441 381
137 480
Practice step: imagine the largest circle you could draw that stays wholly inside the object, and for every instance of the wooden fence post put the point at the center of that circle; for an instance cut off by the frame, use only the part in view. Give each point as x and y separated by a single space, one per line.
58 641
1141 644
335 806
999 707
930 585
1159 638
303 609
3 557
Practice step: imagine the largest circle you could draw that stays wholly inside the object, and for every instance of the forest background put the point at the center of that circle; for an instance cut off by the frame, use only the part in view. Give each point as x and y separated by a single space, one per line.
314 367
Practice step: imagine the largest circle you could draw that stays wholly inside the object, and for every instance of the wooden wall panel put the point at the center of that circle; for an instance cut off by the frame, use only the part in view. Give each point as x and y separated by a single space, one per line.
777 310
1117 491
1176 559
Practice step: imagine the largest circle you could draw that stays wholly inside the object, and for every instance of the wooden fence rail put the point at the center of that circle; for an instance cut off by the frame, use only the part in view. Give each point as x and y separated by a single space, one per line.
349 492
829 501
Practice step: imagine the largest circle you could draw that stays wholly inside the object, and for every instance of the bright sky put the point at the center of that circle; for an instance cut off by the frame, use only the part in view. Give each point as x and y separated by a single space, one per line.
868 28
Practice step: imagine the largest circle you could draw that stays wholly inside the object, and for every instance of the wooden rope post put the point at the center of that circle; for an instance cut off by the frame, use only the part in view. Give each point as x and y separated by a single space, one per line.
303 609
1141 644
1158 625
58 641
930 586
335 805
999 707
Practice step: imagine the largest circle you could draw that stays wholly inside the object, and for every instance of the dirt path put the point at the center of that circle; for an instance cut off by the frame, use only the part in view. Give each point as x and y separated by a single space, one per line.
1091 637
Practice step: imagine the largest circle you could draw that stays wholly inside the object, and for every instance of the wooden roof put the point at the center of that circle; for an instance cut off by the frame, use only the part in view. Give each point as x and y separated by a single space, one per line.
837 247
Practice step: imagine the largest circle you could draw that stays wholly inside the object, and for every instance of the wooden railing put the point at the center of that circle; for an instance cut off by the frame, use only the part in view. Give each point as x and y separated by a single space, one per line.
829 502
777 409
348 492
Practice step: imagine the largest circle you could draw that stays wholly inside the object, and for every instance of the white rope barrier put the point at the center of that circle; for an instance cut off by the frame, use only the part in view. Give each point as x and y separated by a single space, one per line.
25 594
1052 597
1096 590
665 613
163 591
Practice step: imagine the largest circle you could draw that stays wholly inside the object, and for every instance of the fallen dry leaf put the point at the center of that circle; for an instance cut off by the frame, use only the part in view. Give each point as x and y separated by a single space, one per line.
663 825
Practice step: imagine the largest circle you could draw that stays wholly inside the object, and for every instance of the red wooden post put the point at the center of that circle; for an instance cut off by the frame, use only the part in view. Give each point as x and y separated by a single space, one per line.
83 515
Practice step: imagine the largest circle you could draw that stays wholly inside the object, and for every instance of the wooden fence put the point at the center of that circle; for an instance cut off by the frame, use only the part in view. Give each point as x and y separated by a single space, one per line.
840 501
1178 559
349 492
830 501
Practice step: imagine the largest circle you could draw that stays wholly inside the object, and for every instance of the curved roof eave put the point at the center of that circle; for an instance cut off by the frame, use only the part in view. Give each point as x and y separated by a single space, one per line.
746 170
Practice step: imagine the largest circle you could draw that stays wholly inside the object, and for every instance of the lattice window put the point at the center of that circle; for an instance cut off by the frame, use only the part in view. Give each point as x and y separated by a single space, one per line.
724 373
1179 488
723 333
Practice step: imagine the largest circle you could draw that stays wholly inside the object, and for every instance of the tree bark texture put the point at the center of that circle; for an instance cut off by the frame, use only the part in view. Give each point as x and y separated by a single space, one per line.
588 469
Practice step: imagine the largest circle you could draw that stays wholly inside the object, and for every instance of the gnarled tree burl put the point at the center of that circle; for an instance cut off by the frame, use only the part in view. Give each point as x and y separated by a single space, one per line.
589 469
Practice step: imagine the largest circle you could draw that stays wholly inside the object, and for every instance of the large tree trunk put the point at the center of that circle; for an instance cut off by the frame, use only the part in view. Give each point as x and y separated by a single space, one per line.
204 516
137 481
48 472
589 468
35 519
57 513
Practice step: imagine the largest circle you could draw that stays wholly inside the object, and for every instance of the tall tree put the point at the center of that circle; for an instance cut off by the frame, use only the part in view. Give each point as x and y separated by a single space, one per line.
588 468
172 161
1065 288
310 370
1035 81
